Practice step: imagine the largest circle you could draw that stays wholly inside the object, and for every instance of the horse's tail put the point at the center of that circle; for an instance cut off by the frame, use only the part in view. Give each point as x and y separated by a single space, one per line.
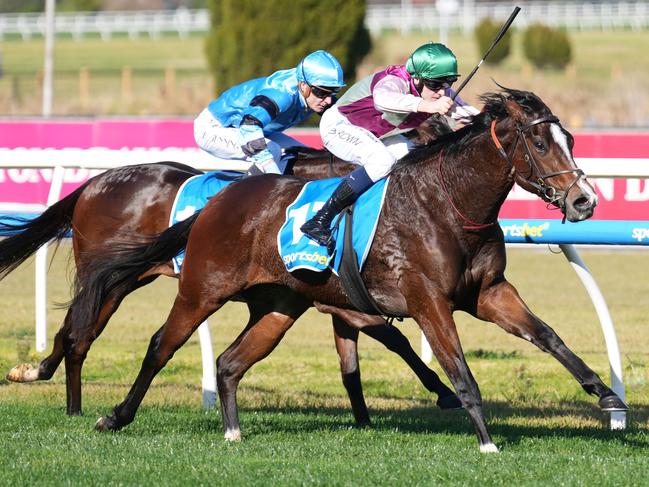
25 236
117 271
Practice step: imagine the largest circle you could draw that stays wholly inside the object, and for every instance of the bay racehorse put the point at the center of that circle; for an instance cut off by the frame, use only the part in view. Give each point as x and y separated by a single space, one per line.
438 248
127 203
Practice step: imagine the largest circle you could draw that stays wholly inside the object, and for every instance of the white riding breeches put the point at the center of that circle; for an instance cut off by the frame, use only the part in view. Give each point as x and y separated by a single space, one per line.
360 146
224 143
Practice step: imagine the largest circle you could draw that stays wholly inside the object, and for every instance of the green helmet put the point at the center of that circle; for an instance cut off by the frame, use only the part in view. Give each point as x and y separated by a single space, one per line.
431 61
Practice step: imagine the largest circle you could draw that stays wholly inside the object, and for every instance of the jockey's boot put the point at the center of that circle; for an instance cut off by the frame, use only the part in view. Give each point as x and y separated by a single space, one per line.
317 228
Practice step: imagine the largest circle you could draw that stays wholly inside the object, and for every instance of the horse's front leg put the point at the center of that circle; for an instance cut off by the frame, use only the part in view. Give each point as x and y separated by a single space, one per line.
501 304
434 315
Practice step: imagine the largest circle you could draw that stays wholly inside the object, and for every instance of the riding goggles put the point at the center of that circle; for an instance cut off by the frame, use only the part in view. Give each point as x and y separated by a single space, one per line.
323 92
437 84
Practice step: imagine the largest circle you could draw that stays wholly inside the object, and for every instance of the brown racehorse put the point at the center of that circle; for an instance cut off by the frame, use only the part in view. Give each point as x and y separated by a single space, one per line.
127 203
437 249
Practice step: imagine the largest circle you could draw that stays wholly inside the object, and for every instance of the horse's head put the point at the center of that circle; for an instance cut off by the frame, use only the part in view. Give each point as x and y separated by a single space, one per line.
540 151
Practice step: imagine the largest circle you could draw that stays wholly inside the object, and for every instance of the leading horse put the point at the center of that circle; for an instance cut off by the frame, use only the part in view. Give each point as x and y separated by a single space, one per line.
128 203
438 248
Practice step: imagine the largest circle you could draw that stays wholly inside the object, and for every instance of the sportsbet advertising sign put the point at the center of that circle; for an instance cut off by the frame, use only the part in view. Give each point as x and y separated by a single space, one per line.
623 203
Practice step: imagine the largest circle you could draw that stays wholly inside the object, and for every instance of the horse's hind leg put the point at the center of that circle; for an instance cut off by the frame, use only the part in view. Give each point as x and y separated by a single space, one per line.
392 338
45 370
501 304
76 350
185 317
395 341
265 329
346 339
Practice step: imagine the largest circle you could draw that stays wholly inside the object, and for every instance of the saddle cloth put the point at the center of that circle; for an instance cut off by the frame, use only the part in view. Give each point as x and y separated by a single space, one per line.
300 252
194 195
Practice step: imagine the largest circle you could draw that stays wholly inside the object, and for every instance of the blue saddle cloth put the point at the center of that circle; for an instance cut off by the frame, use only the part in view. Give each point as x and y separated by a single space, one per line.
194 195
300 252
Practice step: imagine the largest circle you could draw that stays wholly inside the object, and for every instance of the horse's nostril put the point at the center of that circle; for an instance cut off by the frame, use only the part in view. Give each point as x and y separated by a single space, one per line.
583 203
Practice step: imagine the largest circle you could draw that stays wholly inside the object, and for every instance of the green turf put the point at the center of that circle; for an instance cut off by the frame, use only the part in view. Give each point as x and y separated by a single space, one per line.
295 417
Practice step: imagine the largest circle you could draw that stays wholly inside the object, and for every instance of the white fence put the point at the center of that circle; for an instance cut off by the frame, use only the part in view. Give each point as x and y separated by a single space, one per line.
404 17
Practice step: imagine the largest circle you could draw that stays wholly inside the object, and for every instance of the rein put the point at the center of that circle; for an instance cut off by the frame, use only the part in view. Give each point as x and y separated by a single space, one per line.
471 224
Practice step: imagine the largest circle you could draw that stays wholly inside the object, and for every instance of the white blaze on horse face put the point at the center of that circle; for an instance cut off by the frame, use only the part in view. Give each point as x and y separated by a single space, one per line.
562 141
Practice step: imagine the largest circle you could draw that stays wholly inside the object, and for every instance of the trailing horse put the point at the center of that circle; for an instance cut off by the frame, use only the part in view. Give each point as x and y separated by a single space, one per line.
438 248
129 203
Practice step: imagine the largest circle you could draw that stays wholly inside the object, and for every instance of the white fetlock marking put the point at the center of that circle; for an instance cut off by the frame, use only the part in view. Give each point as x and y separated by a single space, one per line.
31 374
489 448
233 435
23 373
99 425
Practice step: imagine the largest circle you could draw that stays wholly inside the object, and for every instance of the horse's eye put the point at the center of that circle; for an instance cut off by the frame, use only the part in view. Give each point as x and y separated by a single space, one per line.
539 145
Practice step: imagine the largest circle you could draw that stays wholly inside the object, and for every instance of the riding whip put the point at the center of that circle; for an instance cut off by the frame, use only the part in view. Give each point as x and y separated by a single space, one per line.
500 35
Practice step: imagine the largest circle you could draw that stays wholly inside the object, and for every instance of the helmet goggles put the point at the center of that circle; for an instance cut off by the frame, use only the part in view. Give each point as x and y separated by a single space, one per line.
436 84
323 92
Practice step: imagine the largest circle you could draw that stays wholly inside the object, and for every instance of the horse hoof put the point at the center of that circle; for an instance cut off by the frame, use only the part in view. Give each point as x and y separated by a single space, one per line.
612 403
489 448
449 402
232 435
106 423
23 373
363 424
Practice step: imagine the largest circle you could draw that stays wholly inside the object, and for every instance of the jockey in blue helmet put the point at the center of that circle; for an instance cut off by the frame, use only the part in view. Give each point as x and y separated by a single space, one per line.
246 122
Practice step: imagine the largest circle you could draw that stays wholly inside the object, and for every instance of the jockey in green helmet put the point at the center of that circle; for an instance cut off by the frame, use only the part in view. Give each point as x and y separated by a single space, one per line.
433 65
366 124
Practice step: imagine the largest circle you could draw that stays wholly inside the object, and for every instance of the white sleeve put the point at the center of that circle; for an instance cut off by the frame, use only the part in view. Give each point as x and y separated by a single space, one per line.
461 110
392 94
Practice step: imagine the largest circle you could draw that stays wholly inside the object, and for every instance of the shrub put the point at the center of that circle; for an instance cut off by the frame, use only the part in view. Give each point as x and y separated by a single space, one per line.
249 39
546 47
485 32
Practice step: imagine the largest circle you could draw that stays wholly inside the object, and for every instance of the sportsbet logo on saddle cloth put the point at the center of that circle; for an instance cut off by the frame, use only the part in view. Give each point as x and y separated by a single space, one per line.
300 252
193 195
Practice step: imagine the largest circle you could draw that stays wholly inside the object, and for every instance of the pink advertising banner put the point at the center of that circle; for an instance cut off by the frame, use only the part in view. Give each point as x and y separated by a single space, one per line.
28 188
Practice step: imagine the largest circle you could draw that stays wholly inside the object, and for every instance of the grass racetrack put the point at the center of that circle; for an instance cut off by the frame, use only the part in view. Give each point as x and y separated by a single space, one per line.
296 421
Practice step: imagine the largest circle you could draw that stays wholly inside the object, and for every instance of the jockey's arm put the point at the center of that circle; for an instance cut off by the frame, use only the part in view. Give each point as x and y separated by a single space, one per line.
392 94
262 110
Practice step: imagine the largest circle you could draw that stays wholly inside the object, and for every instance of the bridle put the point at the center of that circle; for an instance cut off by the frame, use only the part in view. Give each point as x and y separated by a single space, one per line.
546 191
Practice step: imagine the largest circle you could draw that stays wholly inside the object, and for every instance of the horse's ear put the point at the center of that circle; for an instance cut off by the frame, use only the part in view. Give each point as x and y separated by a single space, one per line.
515 111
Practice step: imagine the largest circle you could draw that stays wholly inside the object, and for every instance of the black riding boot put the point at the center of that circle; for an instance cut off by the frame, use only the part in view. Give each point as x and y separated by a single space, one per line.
317 228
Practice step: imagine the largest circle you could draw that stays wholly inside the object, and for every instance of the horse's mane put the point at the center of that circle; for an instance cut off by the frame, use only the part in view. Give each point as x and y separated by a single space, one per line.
494 109
303 152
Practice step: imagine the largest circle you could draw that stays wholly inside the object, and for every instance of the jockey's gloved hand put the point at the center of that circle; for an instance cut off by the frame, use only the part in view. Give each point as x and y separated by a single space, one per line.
265 162
251 139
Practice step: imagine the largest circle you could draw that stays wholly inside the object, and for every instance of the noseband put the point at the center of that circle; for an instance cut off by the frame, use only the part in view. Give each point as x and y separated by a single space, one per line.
546 191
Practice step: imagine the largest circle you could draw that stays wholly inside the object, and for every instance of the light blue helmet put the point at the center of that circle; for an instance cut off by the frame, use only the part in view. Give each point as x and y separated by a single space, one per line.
321 68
